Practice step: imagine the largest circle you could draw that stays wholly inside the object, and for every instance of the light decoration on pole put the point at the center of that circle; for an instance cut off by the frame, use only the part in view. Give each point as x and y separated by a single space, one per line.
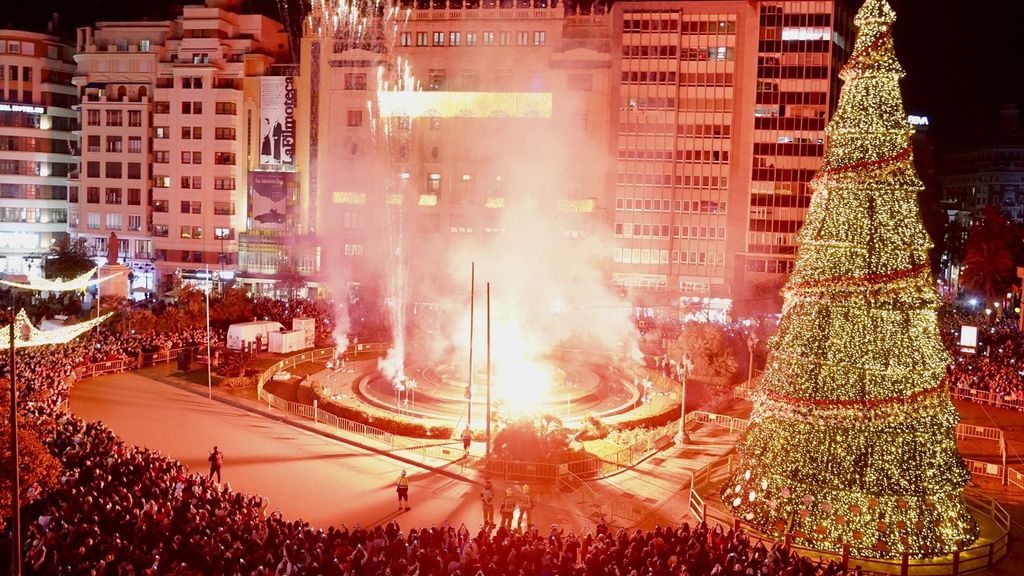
40 284
852 434
26 335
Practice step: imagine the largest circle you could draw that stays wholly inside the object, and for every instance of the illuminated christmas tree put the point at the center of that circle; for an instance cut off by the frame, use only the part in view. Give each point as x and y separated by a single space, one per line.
852 435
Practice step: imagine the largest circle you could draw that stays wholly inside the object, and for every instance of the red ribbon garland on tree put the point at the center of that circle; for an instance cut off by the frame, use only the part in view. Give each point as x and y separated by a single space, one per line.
897 157
887 33
855 403
866 279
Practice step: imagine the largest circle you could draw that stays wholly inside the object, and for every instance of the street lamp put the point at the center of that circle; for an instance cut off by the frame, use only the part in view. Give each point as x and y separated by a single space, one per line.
751 346
683 372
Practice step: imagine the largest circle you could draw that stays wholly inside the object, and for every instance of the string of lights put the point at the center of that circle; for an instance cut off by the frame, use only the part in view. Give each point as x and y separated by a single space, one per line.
852 434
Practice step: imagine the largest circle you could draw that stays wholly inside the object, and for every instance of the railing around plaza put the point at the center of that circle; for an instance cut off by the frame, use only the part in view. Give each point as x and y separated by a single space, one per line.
1014 478
989 398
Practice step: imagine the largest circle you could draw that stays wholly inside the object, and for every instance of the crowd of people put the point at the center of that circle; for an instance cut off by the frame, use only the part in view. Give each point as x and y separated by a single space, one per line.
997 364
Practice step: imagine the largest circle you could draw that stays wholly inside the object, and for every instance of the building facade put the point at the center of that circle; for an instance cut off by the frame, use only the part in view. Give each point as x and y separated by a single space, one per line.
165 142
696 125
37 125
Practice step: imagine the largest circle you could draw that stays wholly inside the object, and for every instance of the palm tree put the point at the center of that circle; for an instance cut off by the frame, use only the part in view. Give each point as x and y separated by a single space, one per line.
988 264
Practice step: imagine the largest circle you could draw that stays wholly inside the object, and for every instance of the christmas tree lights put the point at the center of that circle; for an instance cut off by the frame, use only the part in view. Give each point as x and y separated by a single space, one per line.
852 437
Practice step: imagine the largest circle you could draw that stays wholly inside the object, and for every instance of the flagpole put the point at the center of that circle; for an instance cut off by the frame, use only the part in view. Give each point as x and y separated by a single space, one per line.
472 303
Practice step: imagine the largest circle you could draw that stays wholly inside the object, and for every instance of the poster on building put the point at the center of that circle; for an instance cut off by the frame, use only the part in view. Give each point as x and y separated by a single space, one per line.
269 199
277 120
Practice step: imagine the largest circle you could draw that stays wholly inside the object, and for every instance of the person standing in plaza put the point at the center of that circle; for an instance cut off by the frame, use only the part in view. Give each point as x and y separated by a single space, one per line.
487 501
467 439
508 509
216 461
402 486
526 503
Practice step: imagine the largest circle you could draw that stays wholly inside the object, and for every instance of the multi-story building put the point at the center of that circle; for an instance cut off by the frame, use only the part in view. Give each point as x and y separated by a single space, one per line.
719 110
987 173
166 138
707 119
37 123
507 129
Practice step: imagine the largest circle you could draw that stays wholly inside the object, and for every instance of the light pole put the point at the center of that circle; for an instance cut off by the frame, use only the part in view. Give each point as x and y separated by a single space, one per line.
16 484
683 370
209 355
751 346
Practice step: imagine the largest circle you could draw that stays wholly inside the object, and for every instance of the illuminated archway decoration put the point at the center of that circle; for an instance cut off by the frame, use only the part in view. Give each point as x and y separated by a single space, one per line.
40 284
26 335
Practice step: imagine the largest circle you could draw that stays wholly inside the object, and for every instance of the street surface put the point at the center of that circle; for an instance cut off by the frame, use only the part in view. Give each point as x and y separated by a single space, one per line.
305 475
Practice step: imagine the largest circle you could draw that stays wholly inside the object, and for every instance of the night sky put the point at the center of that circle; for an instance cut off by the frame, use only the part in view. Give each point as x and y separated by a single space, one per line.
963 59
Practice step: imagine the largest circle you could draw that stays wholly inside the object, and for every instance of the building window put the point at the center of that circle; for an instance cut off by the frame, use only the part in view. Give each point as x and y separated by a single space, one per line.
114 144
355 81
539 38
353 249
114 118
134 144
224 133
223 183
134 222
191 207
113 196
113 221
92 223
436 79
134 197
92 169
192 232
93 143
454 38
222 233
522 38
225 108
470 38
504 38
223 209
134 171
226 158
488 38
161 132
438 39
161 156
93 117
113 170
159 231
421 39
135 118
92 195
355 118
406 39
161 182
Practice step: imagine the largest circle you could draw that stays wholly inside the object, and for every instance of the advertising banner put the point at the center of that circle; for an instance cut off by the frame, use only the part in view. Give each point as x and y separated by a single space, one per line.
269 191
277 120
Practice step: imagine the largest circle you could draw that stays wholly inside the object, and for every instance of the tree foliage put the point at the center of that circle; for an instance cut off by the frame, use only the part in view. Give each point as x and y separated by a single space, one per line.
709 346
989 260
68 259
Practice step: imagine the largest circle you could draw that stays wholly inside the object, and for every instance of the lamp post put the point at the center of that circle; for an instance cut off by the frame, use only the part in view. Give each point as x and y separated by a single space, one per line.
16 484
751 346
209 336
683 371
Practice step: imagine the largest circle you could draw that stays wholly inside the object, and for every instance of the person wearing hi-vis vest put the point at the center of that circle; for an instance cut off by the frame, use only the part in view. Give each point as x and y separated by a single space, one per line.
402 486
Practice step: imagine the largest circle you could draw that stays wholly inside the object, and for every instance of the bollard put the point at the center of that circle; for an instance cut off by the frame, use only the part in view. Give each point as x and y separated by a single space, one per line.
316 415
956 563
846 556
905 564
